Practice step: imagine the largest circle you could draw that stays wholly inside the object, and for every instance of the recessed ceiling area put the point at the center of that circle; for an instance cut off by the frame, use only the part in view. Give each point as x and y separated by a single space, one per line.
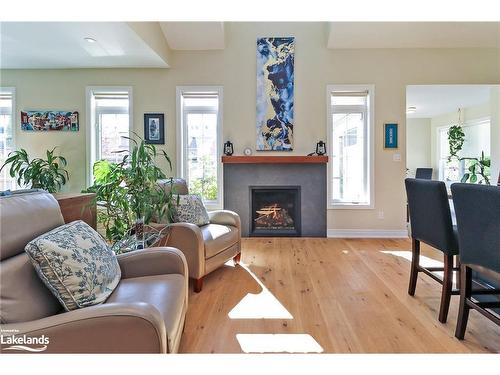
435 100
414 35
194 35
60 45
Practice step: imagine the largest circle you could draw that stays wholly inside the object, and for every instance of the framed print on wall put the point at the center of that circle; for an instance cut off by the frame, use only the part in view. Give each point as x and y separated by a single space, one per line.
154 128
390 136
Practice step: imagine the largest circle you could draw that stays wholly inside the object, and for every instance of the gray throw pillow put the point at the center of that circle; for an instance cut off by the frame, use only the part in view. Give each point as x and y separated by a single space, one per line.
76 264
191 210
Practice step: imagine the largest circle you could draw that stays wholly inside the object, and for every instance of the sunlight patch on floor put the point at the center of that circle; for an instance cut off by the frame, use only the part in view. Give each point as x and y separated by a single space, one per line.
263 305
424 261
278 343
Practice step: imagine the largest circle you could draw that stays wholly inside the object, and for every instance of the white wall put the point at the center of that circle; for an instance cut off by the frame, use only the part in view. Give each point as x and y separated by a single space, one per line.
390 70
418 144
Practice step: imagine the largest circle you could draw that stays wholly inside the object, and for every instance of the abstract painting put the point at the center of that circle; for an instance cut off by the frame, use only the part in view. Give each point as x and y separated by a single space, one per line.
275 70
49 120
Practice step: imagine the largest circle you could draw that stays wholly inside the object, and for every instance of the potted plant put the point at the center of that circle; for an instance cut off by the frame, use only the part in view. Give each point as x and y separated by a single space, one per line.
48 174
477 167
128 192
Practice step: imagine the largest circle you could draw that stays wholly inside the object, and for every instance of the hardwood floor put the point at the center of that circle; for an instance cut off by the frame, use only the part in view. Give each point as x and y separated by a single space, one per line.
349 295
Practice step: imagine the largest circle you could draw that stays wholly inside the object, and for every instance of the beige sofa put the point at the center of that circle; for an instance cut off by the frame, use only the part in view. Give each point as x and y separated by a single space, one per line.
207 247
144 314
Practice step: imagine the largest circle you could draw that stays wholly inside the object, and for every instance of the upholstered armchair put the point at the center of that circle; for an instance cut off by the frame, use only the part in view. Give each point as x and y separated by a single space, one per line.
209 246
144 314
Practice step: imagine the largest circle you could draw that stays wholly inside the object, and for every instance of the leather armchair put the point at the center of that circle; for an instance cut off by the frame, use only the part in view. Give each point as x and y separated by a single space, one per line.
207 247
144 314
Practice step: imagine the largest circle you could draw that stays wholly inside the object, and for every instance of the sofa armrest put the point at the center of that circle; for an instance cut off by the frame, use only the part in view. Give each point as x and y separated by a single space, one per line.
188 239
151 262
225 217
106 328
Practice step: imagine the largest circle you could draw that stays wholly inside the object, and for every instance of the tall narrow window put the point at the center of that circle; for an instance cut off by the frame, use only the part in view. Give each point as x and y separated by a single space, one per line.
110 123
199 129
7 118
350 134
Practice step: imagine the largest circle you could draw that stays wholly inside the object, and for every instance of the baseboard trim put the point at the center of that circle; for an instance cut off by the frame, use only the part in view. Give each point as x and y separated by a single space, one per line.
366 233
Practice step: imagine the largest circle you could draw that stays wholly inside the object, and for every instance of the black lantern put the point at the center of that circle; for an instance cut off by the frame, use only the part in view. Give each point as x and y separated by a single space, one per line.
320 148
228 148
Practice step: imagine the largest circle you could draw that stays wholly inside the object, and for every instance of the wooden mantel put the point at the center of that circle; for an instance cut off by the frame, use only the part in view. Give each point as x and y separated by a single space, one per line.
275 159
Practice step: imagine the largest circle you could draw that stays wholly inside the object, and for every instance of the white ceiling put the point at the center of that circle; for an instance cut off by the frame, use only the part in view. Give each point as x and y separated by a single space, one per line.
26 45
414 34
434 100
194 35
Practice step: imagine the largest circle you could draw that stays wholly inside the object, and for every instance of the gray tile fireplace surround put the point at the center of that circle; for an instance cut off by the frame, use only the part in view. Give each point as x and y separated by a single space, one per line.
238 178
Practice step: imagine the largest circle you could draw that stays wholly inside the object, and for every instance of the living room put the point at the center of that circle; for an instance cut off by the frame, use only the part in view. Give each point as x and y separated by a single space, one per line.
251 187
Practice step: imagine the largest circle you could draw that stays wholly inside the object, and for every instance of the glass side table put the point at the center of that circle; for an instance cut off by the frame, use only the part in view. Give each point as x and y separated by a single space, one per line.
152 237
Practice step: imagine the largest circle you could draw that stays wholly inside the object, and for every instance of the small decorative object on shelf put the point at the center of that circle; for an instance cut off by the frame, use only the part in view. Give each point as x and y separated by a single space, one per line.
320 148
247 151
228 148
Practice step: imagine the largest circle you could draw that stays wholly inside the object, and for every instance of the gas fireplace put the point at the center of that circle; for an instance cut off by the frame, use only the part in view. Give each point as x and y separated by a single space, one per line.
275 211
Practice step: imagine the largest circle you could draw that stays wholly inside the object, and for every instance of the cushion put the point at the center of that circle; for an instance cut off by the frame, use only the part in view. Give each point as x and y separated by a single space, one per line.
165 292
76 264
218 238
191 210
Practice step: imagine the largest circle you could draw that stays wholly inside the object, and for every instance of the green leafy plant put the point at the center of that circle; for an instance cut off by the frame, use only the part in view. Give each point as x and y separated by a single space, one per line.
456 138
48 174
477 167
128 192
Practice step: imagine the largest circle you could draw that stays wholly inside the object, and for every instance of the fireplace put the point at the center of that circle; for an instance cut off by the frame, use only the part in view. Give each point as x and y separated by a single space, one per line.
275 211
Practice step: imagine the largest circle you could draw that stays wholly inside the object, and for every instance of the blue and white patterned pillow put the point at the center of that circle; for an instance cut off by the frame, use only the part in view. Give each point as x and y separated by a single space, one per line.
191 210
76 264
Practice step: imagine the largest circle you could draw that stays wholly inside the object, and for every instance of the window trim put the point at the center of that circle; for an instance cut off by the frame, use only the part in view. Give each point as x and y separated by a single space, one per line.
181 164
90 122
13 115
370 155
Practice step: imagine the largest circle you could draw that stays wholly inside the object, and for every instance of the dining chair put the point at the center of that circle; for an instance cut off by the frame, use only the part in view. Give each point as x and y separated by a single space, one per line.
430 221
424 173
477 209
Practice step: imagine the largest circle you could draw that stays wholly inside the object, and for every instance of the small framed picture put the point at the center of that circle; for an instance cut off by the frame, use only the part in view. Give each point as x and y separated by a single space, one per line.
154 128
390 136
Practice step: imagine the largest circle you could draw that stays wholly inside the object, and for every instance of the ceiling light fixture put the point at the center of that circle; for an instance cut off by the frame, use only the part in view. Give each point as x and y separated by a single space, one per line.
411 110
90 40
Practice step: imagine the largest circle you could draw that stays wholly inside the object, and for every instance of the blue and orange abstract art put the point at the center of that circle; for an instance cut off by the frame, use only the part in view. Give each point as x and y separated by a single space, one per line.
275 71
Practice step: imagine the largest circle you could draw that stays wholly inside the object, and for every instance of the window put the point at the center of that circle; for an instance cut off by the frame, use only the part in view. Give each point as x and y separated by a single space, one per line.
7 119
350 142
110 121
199 127
477 140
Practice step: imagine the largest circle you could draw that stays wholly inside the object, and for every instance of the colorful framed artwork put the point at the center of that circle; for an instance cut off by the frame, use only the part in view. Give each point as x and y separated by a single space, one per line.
390 136
275 93
49 121
154 128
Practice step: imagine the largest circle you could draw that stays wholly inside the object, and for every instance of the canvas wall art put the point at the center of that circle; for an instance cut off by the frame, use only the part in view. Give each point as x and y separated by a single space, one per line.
49 120
275 91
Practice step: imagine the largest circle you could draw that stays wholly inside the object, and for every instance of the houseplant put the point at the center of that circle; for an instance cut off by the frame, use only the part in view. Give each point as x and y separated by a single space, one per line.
128 193
48 174
477 167
456 138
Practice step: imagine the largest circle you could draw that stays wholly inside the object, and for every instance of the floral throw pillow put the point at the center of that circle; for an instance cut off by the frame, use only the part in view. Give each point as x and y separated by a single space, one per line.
191 210
76 264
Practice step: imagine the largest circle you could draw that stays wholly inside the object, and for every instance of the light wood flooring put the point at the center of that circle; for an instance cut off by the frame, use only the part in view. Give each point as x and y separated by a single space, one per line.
349 295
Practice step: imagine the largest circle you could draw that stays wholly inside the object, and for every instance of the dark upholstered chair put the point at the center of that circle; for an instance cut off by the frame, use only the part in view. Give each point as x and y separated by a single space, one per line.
430 220
424 173
478 219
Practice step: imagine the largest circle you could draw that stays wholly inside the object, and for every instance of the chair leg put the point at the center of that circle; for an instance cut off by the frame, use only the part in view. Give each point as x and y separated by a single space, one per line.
415 250
447 286
198 284
237 258
465 293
